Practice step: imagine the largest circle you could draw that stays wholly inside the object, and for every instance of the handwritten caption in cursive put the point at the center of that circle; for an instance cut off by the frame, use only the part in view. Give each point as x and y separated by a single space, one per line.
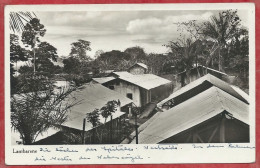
112 153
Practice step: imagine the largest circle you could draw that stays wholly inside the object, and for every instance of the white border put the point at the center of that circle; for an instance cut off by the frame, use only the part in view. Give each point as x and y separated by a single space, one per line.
186 153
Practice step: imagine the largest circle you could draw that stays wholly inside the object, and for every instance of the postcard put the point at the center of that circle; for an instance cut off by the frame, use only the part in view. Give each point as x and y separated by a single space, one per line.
129 84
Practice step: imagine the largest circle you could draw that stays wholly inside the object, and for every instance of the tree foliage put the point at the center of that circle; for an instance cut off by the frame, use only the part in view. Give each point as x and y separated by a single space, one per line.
109 109
35 112
71 65
209 40
98 53
46 54
46 51
112 59
78 71
221 29
30 36
17 53
93 118
136 53
32 31
79 50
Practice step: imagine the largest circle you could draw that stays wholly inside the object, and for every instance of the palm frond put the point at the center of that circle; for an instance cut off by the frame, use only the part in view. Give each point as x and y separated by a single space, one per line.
17 20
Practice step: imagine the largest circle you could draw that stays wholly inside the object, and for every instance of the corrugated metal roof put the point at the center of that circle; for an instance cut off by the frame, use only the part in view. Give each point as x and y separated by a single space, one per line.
142 65
205 68
241 92
213 70
108 71
123 74
210 78
146 81
103 79
92 96
190 113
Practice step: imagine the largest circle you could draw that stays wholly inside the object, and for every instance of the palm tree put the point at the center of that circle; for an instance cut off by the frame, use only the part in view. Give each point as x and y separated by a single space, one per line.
35 112
17 20
221 29
93 118
107 111
185 53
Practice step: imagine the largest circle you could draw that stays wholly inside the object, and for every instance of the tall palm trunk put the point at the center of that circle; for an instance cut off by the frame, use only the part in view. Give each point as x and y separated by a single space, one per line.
219 61
16 68
34 69
28 139
34 66
93 135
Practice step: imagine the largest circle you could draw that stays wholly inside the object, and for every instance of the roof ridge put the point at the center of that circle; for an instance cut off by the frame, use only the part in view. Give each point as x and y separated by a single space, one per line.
219 98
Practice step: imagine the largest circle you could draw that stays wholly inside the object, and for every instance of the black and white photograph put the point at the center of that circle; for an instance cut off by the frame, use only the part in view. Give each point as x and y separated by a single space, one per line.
95 76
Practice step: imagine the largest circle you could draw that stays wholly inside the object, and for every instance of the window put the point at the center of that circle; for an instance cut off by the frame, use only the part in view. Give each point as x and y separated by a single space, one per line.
129 95
111 87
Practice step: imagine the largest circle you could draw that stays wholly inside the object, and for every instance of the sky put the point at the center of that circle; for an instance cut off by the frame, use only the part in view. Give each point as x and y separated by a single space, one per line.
118 30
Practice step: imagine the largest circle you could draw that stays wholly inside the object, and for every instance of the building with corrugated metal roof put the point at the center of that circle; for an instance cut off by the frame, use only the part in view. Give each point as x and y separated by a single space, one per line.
207 110
142 88
102 80
91 96
197 87
138 68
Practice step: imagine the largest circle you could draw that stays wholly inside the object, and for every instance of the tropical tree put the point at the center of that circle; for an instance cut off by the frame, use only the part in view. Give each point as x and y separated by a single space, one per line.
136 53
93 118
185 54
78 71
35 112
79 50
30 36
107 111
221 29
71 65
17 20
77 64
17 53
153 60
46 50
114 59
239 54
98 53
46 54
26 70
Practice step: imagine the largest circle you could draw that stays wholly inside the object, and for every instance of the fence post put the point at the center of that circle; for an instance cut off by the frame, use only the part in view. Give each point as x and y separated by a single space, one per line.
83 132
136 129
